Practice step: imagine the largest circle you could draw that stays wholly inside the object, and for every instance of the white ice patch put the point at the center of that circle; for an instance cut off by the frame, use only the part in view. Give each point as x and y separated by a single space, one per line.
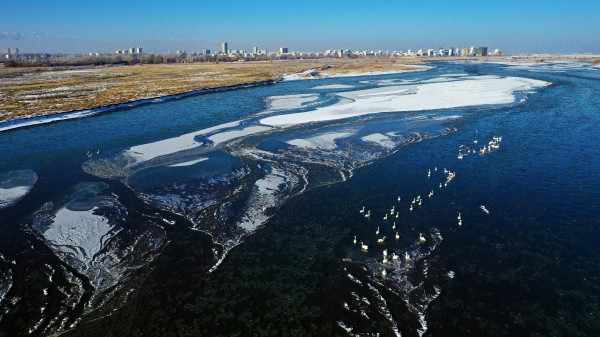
550 67
78 233
229 135
333 86
473 91
88 233
14 185
287 102
8 196
324 141
298 76
189 163
379 139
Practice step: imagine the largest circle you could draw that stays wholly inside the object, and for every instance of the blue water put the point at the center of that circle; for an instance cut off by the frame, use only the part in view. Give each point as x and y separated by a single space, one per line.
529 267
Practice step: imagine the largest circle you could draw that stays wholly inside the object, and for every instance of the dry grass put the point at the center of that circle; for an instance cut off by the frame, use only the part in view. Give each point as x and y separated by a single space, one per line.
30 92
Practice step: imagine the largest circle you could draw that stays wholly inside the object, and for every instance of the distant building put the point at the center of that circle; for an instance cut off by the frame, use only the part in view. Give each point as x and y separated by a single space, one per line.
464 52
420 52
430 52
482 51
205 51
255 50
283 50
224 49
10 53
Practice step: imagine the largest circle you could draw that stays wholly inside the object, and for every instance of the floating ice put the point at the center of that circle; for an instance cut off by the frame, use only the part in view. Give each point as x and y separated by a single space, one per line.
14 185
380 139
287 102
229 135
189 163
333 86
322 141
90 232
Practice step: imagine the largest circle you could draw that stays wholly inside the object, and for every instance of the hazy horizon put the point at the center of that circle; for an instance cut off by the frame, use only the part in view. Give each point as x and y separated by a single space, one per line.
511 26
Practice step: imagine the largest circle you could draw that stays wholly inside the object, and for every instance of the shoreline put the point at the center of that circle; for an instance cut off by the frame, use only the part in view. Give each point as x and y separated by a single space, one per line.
88 112
76 114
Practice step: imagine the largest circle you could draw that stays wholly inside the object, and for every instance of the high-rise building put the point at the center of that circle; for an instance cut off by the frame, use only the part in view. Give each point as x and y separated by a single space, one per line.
10 51
224 48
464 52
255 50
283 50
482 51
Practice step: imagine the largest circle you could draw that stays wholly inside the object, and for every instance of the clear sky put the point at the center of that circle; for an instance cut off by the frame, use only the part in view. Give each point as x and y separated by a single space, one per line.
514 26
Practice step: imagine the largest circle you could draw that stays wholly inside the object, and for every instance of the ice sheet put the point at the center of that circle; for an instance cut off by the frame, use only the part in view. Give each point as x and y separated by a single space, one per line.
229 135
380 139
324 141
14 185
9 195
287 102
189 163
78 232
333 86
480 90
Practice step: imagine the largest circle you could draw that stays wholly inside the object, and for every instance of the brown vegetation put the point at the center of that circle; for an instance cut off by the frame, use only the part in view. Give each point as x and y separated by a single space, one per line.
30 92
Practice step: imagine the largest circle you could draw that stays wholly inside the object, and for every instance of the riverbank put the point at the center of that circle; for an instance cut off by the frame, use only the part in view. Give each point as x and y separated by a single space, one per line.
36 93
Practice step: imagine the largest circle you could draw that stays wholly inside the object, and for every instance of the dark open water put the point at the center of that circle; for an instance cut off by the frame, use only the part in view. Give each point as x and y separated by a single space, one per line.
531 267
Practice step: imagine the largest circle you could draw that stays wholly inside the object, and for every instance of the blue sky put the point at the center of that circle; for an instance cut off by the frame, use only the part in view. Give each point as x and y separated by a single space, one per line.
161 26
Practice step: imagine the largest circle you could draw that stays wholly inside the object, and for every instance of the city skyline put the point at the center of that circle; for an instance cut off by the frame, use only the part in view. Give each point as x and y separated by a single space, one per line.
514 27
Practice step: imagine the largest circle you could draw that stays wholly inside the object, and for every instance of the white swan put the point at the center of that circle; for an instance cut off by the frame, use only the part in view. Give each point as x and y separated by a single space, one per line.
421 238
363 246
485 210
381 241
354 239
397 236
377 232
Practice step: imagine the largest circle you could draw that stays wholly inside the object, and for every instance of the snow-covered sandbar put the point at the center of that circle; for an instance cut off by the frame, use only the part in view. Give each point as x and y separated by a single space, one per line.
471 91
